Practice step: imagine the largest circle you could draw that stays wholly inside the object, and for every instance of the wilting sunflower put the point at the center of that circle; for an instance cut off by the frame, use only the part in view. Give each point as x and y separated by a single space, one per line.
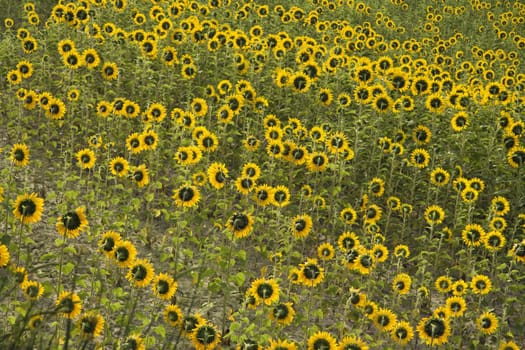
186 196
33 290
322 341
173 315
90 325
283 313
140 175
72 223
140 273
108 242
86 158
164 286
124 253
265 291
4 255
68 305
20 154
401 283
311 274
28 208
205 336
240 224
434 330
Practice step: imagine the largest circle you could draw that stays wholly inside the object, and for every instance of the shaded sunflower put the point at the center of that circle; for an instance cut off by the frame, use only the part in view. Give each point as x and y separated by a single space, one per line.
240 224
186 196
20 154
28 208
322 341
164 286
68 305
90 325
33 290
173 315
35 321
72 223
283 313
140 273
265 291
433 330
134 342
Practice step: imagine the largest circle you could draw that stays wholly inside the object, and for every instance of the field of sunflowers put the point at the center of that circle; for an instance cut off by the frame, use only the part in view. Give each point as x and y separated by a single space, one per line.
277 175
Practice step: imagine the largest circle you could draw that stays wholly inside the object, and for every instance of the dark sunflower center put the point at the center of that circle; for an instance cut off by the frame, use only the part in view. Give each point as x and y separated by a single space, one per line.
318 160
122 254
520 250
130 344
85 158
420 158
66 305
401 333
355 299
220 177
434 328
348 243
138 176
239 221
32 291
455 307
494 241
163 287
337 142
206 335
366 260
300 225
281 311
486 323
246 183
321 344
280 196
311 271
186 194
149 140
71 221
474 236
19 155
383 320
118 167
139 272
109 71
264 290
173 316
190 323
27 207
72 60
208 142
108 244
89 325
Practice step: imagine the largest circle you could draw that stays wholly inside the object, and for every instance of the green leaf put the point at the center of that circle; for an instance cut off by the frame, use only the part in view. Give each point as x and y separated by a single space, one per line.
160 330
67 268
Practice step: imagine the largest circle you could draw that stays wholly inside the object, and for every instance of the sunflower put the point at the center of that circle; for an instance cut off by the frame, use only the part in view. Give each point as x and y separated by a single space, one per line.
68 305
420 158
494 241
301 225
164 286
322 341
382 103
421 135
443 284
91 325
480 284
326 251
434 215
28 208
244 185
376 186
217 175
262 194
300 82
124 253
4 256
140 175
37 320
108 242
173 315
134 342
265 291
283 313
384 319
205 336
402 332
280 196
311 274
336 142
498 223
14 77
281 345
439 177
348 215
186 196
373 213
240 224
499 206
208 142
487 323
317 161
20 154
401 283
140 273
110 71
72 223
33 290
55 109
103 108
509 345
433 330
473 235
456 306
401 251
459 121
352 343
347 241
119 166
25 68
86 158
91 58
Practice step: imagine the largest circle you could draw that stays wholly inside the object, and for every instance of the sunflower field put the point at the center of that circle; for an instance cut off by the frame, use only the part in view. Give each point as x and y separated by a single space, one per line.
220 174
